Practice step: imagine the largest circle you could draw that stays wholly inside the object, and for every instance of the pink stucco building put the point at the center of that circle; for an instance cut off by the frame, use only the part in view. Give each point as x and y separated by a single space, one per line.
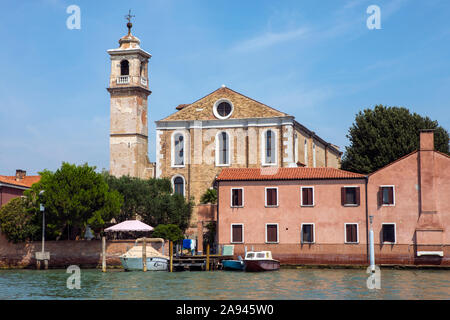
321 216
14 186
303 215
410 203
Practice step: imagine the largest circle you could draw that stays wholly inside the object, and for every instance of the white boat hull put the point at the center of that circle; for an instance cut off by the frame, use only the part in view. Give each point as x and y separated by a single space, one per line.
153 264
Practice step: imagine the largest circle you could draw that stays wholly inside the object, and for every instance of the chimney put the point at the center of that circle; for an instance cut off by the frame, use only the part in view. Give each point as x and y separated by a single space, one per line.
20 174
427 173
427 140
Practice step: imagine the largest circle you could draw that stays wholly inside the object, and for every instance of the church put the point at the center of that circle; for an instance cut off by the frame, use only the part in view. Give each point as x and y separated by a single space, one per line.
224 129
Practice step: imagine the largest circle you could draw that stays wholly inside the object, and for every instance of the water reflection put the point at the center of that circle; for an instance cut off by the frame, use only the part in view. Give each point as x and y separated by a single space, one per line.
283 284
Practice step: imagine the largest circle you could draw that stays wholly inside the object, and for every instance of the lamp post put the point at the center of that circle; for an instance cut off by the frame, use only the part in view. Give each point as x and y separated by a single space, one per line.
43 222
371 245
42 256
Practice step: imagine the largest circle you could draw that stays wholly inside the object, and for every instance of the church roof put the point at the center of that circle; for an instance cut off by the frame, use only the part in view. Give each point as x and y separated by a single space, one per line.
244 107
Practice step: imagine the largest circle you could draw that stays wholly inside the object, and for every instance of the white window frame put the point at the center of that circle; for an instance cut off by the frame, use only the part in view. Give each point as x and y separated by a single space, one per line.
345 232
265 198
353 204
314 232
231 197
218 152
393 196
216 104
231 232
173 150
395 233
295 148
314 154
278 233
184 184
306 152
263 147
301 196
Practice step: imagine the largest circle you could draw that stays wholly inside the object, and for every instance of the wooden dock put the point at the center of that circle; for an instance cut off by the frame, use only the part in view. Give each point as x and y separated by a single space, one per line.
198 263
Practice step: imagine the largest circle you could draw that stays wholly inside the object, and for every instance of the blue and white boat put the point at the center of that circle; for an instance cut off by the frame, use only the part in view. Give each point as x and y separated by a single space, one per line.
233 264
132 259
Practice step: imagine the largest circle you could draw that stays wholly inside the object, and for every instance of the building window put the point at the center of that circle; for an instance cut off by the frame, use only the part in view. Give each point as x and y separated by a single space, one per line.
306 152
271 197
350 196
178 185
351 233
272 233
388 232
237 197
307 233
124 68
307 196
387 196
237 233
314 155
270 147
223 147
178 149
223 109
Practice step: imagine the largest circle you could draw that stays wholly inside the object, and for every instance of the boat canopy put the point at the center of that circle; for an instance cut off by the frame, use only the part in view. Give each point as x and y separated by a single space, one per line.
258 255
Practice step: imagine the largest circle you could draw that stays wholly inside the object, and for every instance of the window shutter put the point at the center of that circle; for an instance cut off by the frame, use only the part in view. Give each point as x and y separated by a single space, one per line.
239 197
380 196
304 196
272 233
310 196
343 196
237 234
357 196
349 232
391 195
274 197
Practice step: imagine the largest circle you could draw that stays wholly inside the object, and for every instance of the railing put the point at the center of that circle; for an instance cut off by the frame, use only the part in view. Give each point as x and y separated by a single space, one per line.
143 81
123 79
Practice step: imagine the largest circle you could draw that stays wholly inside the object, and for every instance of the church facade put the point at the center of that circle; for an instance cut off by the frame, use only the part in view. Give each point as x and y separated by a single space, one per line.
224 129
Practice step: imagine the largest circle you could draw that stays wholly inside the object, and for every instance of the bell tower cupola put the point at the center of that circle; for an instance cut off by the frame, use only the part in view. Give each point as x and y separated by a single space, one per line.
129 91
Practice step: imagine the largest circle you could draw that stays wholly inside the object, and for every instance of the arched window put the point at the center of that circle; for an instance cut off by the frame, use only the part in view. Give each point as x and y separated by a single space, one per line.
124 68
223 149
178 150
270 147
178 185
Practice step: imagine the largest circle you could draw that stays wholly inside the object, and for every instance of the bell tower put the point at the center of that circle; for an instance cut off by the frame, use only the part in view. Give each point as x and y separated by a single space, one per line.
128 88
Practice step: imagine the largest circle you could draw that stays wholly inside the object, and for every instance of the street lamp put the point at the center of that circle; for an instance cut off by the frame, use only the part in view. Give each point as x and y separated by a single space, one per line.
42 256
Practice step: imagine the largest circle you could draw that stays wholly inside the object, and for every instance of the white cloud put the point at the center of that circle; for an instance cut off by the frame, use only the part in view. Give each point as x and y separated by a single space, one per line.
269 39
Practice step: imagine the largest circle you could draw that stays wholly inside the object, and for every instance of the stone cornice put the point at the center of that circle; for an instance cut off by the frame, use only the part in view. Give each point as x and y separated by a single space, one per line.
128 90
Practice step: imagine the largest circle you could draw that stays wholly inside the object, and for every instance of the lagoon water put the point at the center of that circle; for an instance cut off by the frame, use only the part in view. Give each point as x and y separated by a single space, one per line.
282 284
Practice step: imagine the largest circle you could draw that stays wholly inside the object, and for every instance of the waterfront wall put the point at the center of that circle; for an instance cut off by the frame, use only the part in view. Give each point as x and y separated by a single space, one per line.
63 253
342 254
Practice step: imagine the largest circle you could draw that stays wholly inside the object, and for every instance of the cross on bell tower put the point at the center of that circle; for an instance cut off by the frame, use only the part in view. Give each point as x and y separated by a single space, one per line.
129 24
128 87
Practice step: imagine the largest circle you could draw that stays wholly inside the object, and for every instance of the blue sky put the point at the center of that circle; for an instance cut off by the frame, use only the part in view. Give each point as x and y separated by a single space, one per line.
315 60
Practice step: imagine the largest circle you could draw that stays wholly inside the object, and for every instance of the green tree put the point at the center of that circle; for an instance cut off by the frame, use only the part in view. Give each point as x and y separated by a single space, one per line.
168 232
74 197
210 196
384 134
152 200
17 223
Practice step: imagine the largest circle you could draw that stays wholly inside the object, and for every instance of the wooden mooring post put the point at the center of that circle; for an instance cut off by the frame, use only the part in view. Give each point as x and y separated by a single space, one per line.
207 257
144 254
103 254
171 256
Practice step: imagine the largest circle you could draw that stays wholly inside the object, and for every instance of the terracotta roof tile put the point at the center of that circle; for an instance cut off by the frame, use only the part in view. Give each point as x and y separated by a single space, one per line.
233 174
27 181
